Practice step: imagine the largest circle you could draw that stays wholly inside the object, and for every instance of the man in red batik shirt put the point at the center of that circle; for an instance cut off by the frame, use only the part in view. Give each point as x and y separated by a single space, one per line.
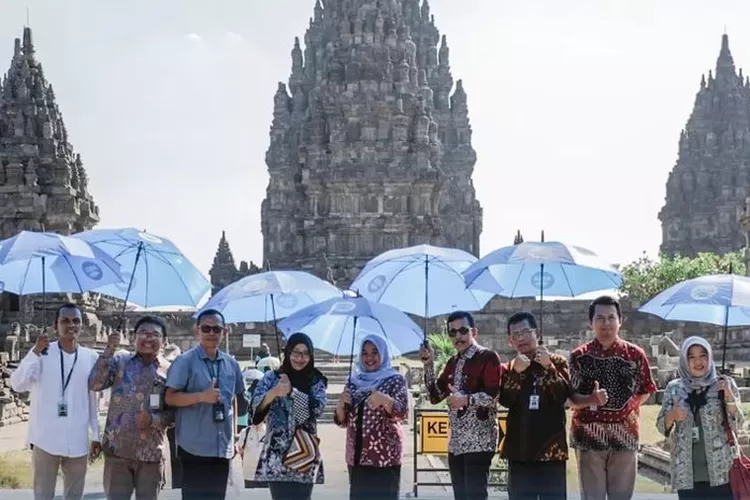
470 382
610 380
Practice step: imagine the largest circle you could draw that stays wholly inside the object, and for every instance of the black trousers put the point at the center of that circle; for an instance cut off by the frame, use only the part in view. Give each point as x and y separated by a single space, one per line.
374 483
537 481
203 478
705 491
470 473
174 459
290 491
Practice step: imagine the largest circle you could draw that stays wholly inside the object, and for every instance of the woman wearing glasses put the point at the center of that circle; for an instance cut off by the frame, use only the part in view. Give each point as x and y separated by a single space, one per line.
291 400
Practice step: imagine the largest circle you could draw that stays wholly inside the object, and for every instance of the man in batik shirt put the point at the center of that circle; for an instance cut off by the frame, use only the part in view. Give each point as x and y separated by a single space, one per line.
134 436
610 380
470 382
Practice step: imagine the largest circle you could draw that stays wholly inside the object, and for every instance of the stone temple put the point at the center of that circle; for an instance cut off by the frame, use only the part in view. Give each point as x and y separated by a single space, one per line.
43 185
707 189
370 142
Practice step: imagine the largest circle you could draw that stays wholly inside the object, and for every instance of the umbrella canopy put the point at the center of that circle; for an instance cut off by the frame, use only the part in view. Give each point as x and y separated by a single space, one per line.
37 262
719 299
154 270
550 268
334 325
423 280
269 296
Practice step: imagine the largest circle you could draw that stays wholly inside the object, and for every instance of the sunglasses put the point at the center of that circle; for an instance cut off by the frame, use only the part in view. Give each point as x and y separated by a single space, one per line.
215 329
453 332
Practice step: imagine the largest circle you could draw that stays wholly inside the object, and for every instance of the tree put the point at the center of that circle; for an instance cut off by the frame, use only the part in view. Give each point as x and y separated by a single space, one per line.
645 278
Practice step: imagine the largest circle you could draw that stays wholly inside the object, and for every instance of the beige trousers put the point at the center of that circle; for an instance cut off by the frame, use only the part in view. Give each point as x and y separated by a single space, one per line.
122 477
46 467
607 474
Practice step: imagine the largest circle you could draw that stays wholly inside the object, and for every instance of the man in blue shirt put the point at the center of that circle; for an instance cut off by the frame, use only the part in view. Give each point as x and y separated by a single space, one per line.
202 384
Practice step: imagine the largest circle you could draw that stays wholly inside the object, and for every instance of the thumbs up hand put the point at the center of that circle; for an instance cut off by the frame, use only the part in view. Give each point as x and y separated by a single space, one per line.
456 400
599 396
211 395
143 418
678 413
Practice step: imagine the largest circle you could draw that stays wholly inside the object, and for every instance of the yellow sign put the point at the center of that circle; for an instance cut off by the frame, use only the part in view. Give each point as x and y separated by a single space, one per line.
434 431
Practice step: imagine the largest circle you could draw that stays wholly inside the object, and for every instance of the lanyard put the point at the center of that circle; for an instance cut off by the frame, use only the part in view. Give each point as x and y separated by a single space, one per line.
65 381
214 369
535 385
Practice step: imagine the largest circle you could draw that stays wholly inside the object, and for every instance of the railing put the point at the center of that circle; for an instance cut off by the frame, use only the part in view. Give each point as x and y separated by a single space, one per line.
431 432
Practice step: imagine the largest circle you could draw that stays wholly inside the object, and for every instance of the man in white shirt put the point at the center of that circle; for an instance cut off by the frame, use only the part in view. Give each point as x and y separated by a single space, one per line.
62 407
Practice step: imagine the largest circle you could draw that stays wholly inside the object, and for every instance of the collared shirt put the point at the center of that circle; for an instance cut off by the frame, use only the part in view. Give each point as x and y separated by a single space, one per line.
623 371
66 436
475 372
196 432
132 382
536 434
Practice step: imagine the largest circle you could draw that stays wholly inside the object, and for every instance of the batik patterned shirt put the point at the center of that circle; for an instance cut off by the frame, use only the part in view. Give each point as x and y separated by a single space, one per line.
379 435
283 417
132 382
623 371
536 434
475 372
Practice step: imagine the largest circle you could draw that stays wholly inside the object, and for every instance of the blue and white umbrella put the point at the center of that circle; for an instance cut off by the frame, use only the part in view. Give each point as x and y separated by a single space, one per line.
718 299
334 325
531 269
270 296
155 272
40 262
423 280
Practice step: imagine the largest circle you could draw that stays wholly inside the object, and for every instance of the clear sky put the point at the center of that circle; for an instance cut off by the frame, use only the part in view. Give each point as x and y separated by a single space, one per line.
576 107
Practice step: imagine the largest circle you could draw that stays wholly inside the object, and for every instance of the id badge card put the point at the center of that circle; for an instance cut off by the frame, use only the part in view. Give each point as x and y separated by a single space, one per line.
534 402
696 434
62 409
154 401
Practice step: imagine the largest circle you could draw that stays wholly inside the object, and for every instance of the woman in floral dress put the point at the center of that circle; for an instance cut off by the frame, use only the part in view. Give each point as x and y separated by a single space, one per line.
291 400
372 408
692 416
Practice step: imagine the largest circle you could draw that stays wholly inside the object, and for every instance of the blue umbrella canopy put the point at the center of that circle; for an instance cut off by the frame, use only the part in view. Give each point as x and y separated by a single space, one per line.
423 280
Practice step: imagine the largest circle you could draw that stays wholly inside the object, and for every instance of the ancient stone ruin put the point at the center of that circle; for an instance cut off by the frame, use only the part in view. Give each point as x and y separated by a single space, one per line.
707 188
369 149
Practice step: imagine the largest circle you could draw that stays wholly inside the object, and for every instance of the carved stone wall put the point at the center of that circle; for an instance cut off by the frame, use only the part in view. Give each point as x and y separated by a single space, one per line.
14 408
707 188
371 151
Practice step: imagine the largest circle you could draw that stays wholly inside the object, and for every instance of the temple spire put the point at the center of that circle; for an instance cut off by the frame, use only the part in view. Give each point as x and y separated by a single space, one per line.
224 270
725 70
518 239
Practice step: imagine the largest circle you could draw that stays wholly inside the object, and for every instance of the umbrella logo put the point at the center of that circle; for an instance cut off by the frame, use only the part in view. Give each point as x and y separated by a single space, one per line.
149 237
703 292
286 300
542 280
342 307
92 270
538 253
376 284
256 285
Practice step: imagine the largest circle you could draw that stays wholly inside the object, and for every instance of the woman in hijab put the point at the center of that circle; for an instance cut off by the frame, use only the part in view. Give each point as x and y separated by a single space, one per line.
692 415
372 407
291 399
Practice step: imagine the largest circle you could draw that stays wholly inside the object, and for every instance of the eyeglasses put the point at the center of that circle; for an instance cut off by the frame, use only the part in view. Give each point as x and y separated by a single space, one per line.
152 333
300 354
526 332
453 332
212 328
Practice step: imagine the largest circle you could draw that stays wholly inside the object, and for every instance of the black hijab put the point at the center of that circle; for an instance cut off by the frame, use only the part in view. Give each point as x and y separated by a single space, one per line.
304 379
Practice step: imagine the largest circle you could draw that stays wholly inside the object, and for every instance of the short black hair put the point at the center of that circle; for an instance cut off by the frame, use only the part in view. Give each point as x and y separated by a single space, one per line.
604 300
520 317
152 320
67 305
210 312
455 315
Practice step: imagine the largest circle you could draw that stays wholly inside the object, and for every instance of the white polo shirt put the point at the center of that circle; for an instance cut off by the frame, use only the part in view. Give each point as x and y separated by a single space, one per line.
65 436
